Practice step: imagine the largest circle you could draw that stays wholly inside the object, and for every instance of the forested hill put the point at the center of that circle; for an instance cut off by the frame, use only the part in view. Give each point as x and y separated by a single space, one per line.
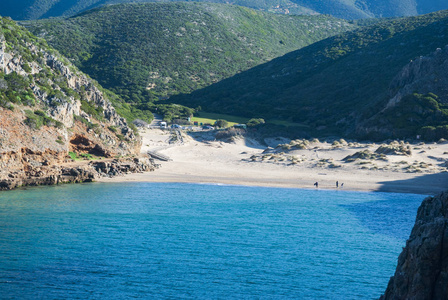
158 49
347 9
333 85
355 9
41 9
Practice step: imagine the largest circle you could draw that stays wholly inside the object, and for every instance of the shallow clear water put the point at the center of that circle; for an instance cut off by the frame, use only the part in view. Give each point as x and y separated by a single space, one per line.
155 240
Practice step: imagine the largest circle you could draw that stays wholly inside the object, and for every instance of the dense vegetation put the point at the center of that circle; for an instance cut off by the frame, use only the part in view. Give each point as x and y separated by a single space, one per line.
40 9
347 9
415 114
354 9
17 89
145 52
331 86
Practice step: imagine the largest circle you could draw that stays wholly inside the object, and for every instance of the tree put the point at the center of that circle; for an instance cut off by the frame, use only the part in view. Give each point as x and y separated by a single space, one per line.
221 123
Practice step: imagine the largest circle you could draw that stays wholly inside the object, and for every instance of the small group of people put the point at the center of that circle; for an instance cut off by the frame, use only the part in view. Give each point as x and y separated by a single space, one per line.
316 184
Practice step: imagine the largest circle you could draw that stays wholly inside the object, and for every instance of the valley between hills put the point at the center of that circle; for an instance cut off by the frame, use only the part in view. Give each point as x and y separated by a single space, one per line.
82 84
288 93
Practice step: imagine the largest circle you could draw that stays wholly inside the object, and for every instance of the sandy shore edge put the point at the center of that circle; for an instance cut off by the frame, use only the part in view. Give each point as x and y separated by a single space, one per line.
427 188
214 162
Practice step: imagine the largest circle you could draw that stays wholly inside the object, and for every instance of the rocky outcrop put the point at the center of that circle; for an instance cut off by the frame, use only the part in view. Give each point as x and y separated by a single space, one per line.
415 100
48 108
426 74
87 172
422 271
118 167
91 93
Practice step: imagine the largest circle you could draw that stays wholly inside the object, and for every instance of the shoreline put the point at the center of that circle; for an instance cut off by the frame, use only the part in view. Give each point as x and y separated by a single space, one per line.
207 161
359 186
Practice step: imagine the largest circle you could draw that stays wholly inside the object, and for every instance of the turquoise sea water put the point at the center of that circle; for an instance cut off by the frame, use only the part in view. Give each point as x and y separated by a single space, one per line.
187 241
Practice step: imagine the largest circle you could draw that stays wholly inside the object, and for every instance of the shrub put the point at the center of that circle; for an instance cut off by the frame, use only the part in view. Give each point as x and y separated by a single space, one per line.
73 155
90 109
221 123
38 118
87 156
26 68
32 120
255 122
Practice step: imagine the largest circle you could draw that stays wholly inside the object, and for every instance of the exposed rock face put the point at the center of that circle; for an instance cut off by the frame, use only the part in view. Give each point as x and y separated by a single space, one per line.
427 74
405 114
422 271
53 109
41 174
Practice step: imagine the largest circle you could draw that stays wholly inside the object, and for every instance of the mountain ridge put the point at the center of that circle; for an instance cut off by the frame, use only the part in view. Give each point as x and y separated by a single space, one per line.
170 48
346 9
333 84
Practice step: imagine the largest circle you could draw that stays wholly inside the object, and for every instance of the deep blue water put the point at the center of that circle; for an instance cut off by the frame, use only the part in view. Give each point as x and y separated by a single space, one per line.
172 241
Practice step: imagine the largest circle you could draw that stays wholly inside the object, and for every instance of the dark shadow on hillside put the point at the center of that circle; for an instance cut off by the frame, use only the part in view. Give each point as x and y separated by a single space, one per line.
429 184
317 87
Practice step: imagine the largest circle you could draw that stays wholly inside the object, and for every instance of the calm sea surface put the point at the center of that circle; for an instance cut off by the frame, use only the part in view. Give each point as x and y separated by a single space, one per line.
187 241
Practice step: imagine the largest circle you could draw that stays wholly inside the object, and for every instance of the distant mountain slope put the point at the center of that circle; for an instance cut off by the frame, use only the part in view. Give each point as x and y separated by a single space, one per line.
159 49
347 9
40 9
378 8
333 85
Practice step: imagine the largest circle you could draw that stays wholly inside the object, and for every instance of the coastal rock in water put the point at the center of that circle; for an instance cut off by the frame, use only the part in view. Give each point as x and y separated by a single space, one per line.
422 271
40 174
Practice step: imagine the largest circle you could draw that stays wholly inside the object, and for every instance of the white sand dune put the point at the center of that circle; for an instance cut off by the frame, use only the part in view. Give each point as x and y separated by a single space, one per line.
207 161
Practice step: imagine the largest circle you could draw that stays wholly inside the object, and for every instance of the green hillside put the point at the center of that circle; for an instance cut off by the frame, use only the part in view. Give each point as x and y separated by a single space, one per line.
355 9
144 51
40 9
17 89
331 86
39 87
347 9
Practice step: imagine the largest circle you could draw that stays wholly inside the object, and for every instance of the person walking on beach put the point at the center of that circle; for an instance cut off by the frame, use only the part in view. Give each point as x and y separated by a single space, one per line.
337 184
316 184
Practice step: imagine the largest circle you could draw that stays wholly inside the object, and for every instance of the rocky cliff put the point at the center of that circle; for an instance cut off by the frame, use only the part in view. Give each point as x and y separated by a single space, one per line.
51 114
422 271
417 104
426 74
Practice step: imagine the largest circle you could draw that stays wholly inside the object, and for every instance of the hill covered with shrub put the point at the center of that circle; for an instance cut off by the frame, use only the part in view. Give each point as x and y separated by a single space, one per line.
51 114
347 9
145 51
41 9
335 85
355 9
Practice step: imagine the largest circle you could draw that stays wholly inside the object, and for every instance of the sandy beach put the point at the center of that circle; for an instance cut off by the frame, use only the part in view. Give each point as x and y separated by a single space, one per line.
199 158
